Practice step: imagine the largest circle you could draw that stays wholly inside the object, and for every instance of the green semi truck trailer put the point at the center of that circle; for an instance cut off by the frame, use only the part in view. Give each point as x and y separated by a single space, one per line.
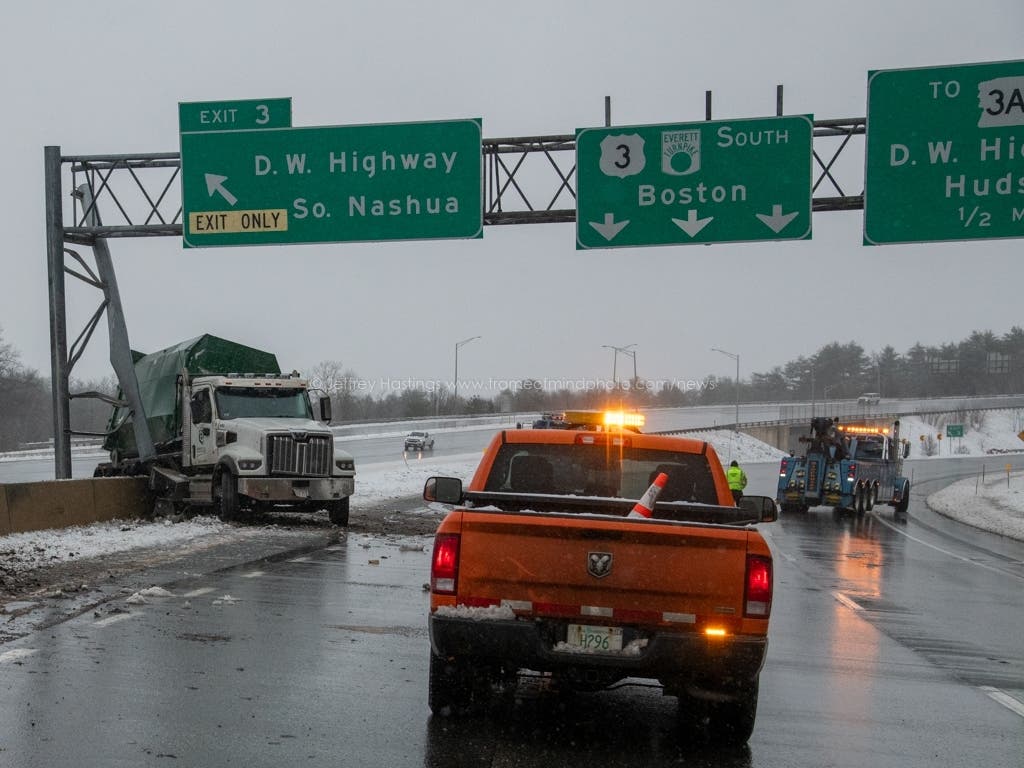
230 431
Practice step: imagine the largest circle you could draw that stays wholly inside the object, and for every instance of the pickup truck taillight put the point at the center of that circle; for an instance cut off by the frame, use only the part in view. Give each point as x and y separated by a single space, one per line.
444 567
757 600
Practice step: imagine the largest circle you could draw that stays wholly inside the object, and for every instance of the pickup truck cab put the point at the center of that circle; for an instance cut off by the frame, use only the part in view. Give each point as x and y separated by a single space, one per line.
540 570
419 441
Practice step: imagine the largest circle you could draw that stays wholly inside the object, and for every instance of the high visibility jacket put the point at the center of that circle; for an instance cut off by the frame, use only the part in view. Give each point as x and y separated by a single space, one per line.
737 478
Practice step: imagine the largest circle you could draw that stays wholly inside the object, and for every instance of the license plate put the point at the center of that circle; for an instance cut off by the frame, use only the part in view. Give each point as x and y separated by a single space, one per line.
585 637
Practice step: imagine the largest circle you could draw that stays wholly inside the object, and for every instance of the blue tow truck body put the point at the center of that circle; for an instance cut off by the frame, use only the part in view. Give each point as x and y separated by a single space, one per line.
847 467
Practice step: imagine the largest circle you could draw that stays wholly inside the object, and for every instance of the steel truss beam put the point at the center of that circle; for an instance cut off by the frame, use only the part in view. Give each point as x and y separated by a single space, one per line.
528 180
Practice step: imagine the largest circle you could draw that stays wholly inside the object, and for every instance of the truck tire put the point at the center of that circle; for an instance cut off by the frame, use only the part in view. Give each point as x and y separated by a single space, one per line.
449 687
229 506
869 502
904 503
858 501
338 512
720 723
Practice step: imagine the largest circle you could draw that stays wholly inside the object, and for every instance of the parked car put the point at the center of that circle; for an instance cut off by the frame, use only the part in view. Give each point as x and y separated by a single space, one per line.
869 398
419 441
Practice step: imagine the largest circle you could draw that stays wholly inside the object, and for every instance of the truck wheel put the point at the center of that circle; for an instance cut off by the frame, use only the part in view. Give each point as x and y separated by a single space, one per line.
449 687
904 503
858 501
228 496
869 502
721 723
338 512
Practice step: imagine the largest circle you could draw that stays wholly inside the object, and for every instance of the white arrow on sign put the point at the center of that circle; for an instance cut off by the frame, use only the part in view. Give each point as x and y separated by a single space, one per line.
610 228
777 221
691 225
215 183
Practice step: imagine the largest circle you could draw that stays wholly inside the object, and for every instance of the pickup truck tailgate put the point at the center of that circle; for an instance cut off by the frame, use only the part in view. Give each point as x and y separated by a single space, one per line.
623 571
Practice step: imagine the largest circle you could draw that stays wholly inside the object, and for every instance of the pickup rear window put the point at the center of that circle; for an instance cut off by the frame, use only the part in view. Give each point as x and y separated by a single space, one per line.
600 470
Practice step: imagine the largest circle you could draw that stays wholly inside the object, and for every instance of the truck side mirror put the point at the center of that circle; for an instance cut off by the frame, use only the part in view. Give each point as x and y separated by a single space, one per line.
325 410
447 490
906 450
763 507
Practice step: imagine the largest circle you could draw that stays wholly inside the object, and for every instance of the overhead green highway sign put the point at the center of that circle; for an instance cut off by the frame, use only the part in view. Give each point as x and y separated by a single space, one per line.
707 182
945 153
234 115
393 181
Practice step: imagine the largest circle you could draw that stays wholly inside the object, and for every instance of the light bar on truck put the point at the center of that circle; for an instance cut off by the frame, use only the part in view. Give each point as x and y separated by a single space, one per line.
860 429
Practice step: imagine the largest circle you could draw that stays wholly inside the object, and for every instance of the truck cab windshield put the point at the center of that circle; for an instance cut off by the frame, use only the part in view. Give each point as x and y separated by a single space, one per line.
244 402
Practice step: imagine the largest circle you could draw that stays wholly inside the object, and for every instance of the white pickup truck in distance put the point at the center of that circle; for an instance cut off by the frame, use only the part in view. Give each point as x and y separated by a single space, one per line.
419 441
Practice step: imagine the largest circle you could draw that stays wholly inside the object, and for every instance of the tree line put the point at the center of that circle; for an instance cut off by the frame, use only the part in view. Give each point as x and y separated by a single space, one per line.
981 364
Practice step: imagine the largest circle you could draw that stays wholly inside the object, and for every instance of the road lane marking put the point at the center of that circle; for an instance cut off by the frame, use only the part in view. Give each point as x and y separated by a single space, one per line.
252 574
198 592
1005 699
303 559
112 619
17 654
954 555
847 601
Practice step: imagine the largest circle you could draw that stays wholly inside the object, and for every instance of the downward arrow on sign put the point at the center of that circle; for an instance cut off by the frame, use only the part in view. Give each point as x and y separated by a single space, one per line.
777 221
611 227
691 225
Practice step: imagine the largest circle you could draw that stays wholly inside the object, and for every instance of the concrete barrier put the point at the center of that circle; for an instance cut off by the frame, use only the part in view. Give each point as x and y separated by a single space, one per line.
64 503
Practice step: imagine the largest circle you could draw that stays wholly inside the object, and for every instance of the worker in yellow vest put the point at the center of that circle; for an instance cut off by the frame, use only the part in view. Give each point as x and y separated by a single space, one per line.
737 480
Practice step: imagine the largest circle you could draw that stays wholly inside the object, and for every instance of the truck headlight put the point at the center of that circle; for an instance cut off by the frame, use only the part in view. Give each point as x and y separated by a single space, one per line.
250 464
347 465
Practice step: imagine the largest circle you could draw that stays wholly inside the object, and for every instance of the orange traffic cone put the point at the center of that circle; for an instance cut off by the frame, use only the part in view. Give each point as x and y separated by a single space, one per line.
643 507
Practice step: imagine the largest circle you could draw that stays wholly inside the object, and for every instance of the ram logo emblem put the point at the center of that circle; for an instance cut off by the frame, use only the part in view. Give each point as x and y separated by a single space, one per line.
599 564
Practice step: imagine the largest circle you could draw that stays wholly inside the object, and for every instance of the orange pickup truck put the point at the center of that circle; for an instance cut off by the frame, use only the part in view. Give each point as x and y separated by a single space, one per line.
541 570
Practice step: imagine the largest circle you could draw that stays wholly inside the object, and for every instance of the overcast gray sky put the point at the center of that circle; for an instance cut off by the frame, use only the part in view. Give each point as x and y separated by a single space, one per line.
106 77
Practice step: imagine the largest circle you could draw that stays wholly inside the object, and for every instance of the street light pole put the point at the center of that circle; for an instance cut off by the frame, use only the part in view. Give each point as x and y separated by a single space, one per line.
455 399
615 360
735 357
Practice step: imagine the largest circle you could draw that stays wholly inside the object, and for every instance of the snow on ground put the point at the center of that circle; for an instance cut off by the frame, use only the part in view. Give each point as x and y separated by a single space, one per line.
996 505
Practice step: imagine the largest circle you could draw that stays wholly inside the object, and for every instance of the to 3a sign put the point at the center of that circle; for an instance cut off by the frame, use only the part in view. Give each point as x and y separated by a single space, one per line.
945 153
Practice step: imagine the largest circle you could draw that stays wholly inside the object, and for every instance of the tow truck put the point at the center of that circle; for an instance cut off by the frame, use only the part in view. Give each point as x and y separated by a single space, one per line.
850 467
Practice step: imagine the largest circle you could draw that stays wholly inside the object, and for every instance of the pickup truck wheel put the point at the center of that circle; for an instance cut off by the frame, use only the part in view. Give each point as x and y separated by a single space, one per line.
721 723
449 686
338 512
228 496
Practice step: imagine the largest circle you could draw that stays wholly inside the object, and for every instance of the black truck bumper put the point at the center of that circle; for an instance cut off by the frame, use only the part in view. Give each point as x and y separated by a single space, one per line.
675 658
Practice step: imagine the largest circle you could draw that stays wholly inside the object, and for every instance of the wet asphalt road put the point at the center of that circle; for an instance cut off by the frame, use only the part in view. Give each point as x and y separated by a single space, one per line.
890 644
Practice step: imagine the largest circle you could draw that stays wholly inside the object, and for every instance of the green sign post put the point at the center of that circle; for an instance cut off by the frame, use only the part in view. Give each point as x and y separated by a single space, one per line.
707 182
944 157
234 115
954 430
395 181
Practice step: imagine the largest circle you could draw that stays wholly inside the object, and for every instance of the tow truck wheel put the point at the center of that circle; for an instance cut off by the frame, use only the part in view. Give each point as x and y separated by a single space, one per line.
228 496
858 501
869 503
338 512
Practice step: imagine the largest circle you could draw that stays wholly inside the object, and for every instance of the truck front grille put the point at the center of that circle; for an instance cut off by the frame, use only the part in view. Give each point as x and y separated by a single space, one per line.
305 456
